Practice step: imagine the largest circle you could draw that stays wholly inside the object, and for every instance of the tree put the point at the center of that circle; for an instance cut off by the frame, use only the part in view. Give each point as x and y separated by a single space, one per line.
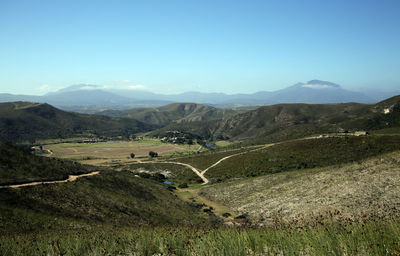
153 154
132 155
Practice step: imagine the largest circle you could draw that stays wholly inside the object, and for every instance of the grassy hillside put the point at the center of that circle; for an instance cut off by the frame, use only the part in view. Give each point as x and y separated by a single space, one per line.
271 119
23 121
305 119
177 112
354 192
302 154
290 121
20 166
111 198
197 129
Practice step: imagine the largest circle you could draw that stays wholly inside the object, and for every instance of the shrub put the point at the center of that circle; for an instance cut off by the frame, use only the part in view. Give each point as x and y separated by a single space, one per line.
183 185
171 188
226 215
153 154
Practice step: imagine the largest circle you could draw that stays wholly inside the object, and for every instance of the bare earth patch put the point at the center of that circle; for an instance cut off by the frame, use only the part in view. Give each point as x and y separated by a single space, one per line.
360 190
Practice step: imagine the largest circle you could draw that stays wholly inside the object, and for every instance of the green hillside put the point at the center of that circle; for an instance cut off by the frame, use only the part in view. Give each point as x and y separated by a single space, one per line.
179 113
20 166
196 130
303 154
290 121
307 119
24 121
272 119
108 199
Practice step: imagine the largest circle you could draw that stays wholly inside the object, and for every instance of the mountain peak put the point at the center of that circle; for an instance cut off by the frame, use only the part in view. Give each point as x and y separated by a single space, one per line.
319 84
78 87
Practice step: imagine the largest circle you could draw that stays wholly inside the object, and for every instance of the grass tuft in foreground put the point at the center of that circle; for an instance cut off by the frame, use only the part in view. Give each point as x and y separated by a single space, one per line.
372 238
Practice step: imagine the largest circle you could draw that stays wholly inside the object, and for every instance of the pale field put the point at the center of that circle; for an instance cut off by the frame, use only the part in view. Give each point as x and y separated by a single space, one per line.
353 192
103 153
223 143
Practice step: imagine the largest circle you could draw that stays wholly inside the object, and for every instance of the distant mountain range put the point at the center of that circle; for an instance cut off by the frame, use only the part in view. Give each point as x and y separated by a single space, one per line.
94 98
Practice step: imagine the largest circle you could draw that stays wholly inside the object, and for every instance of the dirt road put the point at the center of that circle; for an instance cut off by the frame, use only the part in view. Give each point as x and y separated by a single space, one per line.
197 172
70 178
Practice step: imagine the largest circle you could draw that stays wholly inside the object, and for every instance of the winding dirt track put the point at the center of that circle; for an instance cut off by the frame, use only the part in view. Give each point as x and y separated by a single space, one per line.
241 153
201 173
70 178
197 172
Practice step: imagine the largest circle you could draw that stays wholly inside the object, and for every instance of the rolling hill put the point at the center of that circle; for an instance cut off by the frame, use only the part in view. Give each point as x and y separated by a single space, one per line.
289 121
294 120
19 165
109 199
177 113
24 121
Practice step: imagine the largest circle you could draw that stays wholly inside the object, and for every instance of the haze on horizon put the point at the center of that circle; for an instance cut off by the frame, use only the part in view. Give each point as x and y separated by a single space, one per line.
207 46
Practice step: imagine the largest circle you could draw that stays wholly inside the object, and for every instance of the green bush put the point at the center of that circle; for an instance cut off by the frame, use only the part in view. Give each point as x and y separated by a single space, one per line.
183 185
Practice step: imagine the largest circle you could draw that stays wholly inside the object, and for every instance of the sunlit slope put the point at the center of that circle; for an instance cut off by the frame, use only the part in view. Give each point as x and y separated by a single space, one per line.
356 191
178 113
296 120
109 198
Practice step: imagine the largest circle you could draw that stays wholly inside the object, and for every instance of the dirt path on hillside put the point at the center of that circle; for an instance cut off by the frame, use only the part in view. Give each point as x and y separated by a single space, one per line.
196 171
70 178
270 145
241 153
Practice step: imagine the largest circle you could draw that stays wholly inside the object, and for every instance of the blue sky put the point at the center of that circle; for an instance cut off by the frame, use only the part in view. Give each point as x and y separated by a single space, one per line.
209 46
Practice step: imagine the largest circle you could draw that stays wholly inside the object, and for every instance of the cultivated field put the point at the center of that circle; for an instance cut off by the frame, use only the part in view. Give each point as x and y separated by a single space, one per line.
103 153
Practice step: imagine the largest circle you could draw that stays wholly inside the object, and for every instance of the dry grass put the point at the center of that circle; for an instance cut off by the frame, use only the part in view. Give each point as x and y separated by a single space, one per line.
360 190
192 195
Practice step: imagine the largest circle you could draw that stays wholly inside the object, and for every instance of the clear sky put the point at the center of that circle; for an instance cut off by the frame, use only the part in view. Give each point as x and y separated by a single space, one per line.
170 46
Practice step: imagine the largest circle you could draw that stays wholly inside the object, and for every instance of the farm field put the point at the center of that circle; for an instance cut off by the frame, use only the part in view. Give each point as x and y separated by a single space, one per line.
104 153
